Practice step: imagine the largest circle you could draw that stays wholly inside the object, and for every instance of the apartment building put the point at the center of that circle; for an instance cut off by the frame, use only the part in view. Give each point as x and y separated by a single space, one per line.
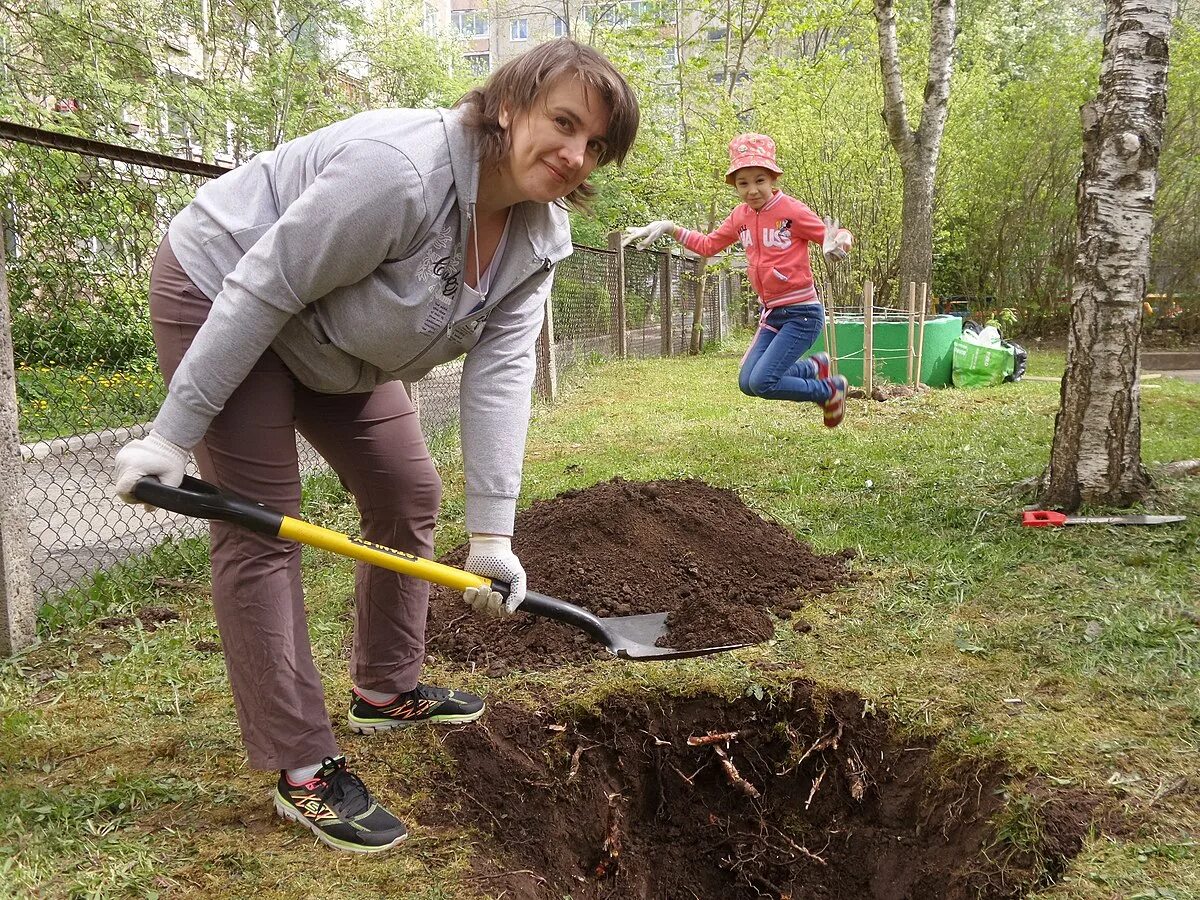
495 31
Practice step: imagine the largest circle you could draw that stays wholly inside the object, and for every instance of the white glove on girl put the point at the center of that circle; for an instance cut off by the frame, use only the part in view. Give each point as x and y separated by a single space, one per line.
152 455
491 556
649 234
837 240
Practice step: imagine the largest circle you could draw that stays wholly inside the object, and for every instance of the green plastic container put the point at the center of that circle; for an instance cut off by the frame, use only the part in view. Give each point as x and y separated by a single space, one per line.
891 349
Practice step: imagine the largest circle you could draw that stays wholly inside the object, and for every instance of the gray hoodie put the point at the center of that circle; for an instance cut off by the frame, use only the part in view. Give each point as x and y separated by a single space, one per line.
342 251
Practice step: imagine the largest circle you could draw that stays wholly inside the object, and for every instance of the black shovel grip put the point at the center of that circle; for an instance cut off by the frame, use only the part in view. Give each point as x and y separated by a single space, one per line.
567 613
202 500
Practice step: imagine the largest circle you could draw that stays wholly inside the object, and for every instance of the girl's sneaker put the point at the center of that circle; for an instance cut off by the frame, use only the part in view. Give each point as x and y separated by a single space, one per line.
822 362
835 406
337 807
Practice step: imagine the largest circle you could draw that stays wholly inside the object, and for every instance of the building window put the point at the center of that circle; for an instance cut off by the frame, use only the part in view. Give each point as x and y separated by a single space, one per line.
670 58
717 33
519 30
470 23
479 63
429 26
560 27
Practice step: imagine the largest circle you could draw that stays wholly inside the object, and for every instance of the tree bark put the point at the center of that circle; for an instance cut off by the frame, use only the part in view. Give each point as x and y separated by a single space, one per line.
919 148
1096 455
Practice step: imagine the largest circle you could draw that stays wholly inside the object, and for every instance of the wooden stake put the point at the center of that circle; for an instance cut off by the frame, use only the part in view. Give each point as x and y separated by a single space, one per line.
921 335
868 337
912 315
833 356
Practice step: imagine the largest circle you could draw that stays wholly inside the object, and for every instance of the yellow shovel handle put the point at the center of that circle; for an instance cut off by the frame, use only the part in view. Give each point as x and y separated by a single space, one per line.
379 555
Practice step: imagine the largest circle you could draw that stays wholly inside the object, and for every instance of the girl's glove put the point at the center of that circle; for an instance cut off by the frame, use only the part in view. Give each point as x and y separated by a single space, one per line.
491 556
152 455
837 240
649 234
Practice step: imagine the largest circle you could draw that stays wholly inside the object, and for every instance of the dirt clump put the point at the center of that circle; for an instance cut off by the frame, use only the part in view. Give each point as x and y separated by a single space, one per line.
621 548
806 797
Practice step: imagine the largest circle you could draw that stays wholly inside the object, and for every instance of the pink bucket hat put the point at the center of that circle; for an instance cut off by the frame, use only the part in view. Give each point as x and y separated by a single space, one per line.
751 150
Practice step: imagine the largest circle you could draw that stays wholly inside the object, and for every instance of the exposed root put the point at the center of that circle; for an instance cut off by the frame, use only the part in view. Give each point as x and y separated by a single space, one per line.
734 776
575 758
827 741
856 774
612 840
815 785
704 740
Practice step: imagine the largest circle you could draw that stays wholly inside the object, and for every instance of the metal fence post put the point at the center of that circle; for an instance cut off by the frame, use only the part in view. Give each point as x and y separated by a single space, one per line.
667 314
17 612
621 343
547 367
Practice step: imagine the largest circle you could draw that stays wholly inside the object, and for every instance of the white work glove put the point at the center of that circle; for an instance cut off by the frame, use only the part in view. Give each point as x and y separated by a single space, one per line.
491 556
837 241
648 234
151 455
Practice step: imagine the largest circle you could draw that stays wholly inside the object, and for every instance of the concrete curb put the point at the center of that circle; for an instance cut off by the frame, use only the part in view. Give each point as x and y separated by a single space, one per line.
77 442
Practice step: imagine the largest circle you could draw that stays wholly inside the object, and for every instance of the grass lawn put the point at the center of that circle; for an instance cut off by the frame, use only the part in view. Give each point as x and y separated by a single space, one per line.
1073 653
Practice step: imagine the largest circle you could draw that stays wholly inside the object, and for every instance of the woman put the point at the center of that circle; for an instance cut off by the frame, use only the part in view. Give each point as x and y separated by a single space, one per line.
294 294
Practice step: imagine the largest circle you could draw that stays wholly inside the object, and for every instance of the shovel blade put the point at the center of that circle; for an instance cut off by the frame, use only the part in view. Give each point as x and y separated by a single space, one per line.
634 637
628 637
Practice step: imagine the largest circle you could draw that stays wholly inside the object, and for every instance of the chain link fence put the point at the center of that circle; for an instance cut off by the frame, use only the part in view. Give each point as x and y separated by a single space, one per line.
81 222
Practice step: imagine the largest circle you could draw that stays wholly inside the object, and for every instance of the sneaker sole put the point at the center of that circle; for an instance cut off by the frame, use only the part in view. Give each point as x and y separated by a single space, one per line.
371 726
833 415
293 815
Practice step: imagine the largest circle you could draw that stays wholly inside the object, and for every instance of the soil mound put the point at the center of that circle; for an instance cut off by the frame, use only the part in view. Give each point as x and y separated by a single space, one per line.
802 798
620 548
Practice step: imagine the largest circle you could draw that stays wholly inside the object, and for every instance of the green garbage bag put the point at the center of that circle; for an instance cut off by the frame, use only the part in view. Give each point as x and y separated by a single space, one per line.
980 365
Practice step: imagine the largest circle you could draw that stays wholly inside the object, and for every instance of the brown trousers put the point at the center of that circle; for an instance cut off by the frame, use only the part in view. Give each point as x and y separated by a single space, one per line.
375 444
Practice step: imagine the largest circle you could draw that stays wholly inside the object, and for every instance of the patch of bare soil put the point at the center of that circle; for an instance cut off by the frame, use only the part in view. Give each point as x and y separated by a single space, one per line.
620 548
883 391
805 799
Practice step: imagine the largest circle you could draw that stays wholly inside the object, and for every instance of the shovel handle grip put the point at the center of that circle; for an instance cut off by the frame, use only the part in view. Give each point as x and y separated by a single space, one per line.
202 500
1042 518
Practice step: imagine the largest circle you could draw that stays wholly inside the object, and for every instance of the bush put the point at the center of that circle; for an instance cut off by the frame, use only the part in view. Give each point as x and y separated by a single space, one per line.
75 326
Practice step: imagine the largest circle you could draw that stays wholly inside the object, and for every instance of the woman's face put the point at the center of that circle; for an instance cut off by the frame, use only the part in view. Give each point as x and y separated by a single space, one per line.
555 145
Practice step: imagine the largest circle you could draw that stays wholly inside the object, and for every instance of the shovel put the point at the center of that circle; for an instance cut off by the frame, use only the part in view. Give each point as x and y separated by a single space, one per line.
629 637
1045 518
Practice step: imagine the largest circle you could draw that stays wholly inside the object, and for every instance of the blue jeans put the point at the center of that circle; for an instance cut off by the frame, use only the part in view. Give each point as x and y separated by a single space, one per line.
772 367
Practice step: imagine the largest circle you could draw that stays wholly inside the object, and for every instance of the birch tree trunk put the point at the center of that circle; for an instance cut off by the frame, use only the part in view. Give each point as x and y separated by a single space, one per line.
1096 455
918 148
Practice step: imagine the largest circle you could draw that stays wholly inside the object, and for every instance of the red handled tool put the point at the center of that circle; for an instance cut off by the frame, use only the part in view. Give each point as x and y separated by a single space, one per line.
1046 518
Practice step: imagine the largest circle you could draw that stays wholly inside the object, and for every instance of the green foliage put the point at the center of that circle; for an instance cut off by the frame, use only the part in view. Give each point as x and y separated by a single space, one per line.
586 305
57 402
224 78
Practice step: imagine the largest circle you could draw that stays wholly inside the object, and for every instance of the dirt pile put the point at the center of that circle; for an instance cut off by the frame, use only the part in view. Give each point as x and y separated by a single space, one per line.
804 798
624 548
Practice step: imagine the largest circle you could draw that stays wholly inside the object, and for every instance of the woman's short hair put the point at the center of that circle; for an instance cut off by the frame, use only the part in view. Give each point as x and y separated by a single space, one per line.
521 82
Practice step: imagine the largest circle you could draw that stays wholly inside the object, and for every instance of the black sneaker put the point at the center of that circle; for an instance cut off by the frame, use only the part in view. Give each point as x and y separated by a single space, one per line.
337 807
420 705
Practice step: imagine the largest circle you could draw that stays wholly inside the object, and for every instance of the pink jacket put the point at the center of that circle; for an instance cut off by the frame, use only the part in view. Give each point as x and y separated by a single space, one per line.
776 241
